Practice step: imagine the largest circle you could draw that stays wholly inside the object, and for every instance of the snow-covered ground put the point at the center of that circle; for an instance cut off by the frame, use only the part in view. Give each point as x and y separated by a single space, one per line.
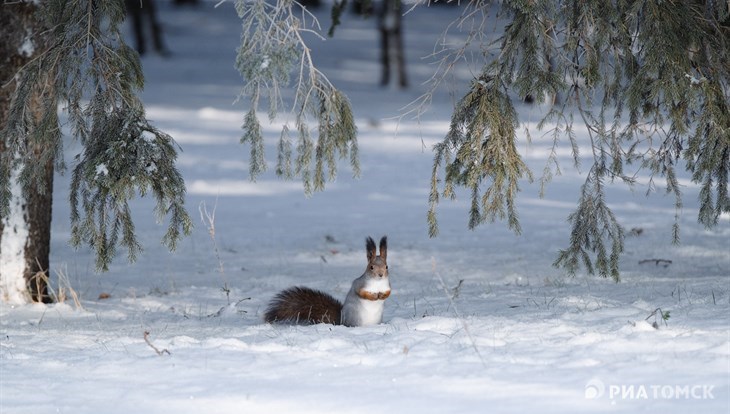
478 321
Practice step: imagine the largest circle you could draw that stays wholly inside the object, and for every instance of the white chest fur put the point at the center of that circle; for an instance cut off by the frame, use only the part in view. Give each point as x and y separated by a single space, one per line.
370 311
377 285
357 311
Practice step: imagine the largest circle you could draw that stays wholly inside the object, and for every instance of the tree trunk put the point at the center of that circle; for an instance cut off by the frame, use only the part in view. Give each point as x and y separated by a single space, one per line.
25 232
391 41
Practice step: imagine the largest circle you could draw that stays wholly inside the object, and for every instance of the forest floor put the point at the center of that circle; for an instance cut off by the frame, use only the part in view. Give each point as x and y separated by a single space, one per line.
478 321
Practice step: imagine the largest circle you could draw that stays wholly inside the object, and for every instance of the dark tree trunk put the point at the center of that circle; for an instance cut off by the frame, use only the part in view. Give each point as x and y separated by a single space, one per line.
391 41
38 249
16 21
139 11
362 7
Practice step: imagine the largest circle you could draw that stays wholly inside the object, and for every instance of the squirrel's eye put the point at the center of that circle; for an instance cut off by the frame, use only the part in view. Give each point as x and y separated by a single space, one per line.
372 267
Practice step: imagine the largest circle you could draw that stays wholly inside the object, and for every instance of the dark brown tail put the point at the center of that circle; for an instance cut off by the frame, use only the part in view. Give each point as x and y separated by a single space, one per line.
302 305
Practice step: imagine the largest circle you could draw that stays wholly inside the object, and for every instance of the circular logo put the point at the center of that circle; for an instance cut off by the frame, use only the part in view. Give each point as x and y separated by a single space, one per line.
594 389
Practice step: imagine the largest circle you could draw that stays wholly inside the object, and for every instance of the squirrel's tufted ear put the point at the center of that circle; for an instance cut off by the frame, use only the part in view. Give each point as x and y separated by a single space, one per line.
384 248
370 248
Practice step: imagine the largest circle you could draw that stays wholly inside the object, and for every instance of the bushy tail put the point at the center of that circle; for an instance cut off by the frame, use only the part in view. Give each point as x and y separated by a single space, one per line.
302 305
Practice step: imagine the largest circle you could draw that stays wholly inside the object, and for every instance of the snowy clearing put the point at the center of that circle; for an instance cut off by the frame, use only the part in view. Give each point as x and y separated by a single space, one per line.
478 321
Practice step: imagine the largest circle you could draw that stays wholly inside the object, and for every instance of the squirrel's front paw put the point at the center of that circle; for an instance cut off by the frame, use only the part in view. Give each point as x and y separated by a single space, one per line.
364 294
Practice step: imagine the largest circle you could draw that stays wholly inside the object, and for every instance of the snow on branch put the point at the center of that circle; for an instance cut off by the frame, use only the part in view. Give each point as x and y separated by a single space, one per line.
647 79
273 49
86 67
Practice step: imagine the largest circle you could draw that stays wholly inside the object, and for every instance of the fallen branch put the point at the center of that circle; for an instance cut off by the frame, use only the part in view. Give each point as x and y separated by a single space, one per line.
147 339
657 262
223 309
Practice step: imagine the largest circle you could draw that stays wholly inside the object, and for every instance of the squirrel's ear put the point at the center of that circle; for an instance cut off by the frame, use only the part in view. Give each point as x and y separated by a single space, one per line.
384 248
370 248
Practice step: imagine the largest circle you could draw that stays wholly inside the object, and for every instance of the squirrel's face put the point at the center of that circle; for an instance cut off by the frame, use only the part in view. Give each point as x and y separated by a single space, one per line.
378 268
377 264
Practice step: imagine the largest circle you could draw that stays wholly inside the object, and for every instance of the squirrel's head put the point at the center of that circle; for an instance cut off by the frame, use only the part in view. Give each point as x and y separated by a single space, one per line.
377 265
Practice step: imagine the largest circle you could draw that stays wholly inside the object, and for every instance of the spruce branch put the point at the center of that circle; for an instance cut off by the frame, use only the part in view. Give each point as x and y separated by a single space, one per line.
124 155
649 81
273 49
594 231
478 151
88 67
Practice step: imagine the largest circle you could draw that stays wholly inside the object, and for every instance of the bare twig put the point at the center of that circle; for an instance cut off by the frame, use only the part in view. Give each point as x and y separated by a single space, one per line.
474 22
658 313
61 293
220 311
158 351
208 219
456 291
65 289
458 315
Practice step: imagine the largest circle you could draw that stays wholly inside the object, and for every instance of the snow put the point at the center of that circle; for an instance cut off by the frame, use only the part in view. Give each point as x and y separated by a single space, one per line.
12 245
27 48
527 337
265 62
101 170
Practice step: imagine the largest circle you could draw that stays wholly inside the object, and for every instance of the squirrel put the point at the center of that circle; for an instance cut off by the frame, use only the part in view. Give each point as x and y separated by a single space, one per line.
363 304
